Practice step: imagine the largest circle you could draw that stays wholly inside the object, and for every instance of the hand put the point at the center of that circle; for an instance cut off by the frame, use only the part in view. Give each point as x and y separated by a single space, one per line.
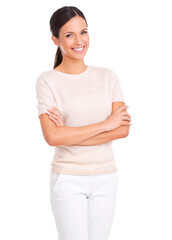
55 116
118 118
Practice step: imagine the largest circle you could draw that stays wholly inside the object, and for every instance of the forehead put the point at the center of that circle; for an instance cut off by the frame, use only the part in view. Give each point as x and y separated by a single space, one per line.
75 24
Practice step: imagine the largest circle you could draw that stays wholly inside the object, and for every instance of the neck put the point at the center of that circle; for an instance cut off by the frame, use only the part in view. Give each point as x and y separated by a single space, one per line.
72 66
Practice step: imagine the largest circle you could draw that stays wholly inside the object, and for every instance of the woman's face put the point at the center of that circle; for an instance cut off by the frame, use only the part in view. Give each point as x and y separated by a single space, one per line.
73 38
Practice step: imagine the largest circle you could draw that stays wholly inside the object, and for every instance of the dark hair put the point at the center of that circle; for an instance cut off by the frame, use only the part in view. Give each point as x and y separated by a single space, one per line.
57 20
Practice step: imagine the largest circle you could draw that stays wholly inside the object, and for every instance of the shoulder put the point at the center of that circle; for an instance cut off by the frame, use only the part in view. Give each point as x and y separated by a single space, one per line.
45 76
105 73
103 70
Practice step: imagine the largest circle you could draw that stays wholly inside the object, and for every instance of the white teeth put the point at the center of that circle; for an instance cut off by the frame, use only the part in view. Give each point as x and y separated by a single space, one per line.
78 49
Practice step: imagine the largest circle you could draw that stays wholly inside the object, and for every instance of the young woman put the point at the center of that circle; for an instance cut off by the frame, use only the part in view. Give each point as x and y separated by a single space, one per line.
81 110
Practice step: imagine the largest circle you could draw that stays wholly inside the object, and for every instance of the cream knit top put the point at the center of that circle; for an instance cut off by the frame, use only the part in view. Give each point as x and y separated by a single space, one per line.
82 99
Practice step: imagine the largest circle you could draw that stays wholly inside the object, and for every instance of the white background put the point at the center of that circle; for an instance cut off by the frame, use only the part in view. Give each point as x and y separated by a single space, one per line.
134 39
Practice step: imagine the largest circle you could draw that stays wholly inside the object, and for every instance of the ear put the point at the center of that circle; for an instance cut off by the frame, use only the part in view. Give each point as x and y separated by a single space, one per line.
55 40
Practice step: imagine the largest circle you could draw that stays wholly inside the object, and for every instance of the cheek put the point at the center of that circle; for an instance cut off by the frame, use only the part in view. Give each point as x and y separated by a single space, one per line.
86 39
67 43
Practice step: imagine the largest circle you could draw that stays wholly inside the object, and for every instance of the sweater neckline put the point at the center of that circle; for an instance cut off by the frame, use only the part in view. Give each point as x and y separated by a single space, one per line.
73 76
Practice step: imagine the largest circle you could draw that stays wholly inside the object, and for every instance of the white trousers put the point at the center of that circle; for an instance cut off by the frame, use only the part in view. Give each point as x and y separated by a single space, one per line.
83 205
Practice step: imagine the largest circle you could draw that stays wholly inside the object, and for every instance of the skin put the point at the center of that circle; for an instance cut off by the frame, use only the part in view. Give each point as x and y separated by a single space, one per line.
74 34
119 114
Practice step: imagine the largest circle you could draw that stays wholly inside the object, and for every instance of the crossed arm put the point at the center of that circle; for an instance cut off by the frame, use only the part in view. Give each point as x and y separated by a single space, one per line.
102 136
107 136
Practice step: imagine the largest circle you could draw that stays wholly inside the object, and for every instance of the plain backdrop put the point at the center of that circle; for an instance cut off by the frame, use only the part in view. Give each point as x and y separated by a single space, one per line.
133 38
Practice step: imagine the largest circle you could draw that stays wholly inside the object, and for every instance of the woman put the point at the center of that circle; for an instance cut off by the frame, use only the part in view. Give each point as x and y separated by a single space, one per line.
88 112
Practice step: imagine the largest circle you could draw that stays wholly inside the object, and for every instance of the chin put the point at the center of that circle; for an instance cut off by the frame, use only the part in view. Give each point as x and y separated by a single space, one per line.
77 57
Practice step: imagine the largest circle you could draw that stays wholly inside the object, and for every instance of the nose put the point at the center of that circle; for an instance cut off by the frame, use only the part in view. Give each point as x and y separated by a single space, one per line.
78 40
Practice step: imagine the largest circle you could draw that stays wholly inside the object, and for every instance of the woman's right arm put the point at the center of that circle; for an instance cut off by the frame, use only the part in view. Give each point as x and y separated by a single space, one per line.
63 135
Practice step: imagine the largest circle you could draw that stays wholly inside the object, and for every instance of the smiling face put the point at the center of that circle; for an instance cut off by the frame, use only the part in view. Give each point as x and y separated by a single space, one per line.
73 38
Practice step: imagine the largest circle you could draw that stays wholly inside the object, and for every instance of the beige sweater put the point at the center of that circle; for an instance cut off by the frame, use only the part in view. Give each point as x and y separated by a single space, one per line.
82 99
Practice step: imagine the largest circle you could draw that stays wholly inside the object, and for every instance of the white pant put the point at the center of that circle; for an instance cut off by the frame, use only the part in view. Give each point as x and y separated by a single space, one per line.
83 205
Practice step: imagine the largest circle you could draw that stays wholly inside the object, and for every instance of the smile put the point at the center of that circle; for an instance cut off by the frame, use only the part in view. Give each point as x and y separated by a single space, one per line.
78 49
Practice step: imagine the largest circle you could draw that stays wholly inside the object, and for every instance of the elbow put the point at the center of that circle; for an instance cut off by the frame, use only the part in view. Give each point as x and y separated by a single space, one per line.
125 132
56 138
50 132
51 141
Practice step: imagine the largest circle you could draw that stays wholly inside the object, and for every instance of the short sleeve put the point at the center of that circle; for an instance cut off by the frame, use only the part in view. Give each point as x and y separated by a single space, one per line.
44 96
117 94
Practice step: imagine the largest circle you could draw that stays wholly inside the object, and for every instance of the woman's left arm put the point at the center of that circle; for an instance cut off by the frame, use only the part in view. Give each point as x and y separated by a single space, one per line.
100 138
108 136
105 137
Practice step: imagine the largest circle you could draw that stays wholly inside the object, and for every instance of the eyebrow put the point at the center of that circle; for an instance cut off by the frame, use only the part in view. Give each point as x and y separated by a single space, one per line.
81 30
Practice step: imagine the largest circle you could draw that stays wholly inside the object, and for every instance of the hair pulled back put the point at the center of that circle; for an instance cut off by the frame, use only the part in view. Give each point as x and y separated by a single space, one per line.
57 20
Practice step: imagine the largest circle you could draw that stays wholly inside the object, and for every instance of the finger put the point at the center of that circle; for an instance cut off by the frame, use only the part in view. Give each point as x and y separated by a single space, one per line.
121 108
125 113
125 123
60 121
126 118
54 120
53 114
55 110
58 117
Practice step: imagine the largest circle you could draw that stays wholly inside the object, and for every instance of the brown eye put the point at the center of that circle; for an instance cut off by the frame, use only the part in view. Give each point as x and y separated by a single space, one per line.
68 35
84 32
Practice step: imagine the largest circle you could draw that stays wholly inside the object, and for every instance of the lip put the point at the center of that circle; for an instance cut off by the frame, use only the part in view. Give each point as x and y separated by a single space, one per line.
77 48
